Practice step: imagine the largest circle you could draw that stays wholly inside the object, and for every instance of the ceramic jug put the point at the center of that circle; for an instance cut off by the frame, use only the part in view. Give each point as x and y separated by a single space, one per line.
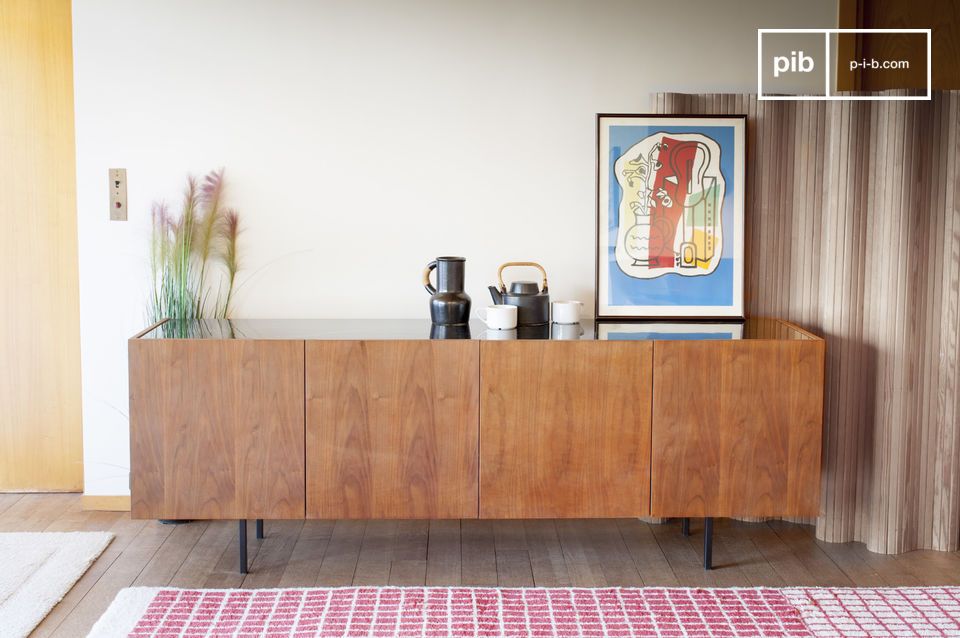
449 304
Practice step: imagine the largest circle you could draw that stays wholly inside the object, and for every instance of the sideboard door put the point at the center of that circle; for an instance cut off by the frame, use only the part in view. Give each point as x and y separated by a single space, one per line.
216 429
565 429
737 428
392 429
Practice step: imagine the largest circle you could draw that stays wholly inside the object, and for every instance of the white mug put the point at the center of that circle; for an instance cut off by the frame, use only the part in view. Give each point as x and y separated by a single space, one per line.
566 331
501 335
566 311
501 317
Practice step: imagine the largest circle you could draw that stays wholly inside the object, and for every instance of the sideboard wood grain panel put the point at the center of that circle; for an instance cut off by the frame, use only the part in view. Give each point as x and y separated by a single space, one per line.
392 429
565 429
217 429
737 427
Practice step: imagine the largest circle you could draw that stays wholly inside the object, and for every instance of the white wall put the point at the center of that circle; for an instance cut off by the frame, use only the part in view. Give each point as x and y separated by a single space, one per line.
363 138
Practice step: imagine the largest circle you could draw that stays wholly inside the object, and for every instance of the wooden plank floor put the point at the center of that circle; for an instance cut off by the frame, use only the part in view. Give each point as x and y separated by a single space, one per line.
544 553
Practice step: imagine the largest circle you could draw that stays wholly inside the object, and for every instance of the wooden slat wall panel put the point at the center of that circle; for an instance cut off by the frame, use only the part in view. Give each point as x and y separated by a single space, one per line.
853 231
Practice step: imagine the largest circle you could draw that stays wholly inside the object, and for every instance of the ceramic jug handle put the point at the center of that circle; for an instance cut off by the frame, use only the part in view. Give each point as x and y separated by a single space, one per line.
532 264
426 278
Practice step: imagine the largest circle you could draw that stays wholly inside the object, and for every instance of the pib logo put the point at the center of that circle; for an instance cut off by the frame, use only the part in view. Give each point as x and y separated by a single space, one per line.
796 62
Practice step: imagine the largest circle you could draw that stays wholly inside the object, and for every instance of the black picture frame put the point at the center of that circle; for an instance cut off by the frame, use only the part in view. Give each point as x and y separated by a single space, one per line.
603 174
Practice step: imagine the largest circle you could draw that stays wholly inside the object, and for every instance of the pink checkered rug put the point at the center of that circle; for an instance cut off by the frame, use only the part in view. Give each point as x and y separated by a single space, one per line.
467 611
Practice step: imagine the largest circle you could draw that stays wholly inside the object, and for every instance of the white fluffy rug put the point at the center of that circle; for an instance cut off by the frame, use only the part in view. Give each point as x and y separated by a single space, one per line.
37 569
124 612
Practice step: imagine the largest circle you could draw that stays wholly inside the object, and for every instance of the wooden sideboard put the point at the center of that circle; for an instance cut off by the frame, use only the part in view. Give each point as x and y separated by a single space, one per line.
260 419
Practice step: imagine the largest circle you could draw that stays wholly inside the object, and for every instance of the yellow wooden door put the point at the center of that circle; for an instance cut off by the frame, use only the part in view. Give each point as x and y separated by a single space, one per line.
40 434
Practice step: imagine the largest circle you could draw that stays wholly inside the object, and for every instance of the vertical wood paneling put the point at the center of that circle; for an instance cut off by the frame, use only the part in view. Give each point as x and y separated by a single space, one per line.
853 230
40 438
942 17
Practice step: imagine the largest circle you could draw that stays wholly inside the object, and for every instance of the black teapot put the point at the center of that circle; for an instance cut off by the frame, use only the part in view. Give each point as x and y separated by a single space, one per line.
532 301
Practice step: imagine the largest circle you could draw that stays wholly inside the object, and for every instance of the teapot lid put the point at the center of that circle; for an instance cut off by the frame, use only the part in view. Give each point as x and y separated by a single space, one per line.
524 288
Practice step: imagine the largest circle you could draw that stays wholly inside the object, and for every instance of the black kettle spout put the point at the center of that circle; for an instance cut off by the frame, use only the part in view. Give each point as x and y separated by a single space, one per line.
496 294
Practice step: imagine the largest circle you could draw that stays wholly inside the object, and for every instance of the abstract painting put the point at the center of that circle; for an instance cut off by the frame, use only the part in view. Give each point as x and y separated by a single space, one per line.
670 216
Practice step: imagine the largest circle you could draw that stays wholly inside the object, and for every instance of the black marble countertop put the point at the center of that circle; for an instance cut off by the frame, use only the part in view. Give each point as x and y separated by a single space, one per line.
420 329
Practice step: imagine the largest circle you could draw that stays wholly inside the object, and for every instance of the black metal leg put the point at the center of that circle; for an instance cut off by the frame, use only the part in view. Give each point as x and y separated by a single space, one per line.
685 526
708 543
259 528
243 546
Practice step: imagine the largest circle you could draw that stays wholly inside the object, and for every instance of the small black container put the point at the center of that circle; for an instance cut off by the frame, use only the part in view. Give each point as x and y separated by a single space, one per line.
449 304
458 331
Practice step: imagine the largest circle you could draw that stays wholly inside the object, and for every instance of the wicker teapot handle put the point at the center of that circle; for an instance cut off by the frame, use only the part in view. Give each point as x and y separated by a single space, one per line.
532 264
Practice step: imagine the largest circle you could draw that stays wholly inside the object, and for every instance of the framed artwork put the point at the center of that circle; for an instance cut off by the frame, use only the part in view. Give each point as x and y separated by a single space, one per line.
673 331
670 216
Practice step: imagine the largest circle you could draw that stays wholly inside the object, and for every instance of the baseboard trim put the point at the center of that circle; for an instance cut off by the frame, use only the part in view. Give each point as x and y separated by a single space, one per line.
105 503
